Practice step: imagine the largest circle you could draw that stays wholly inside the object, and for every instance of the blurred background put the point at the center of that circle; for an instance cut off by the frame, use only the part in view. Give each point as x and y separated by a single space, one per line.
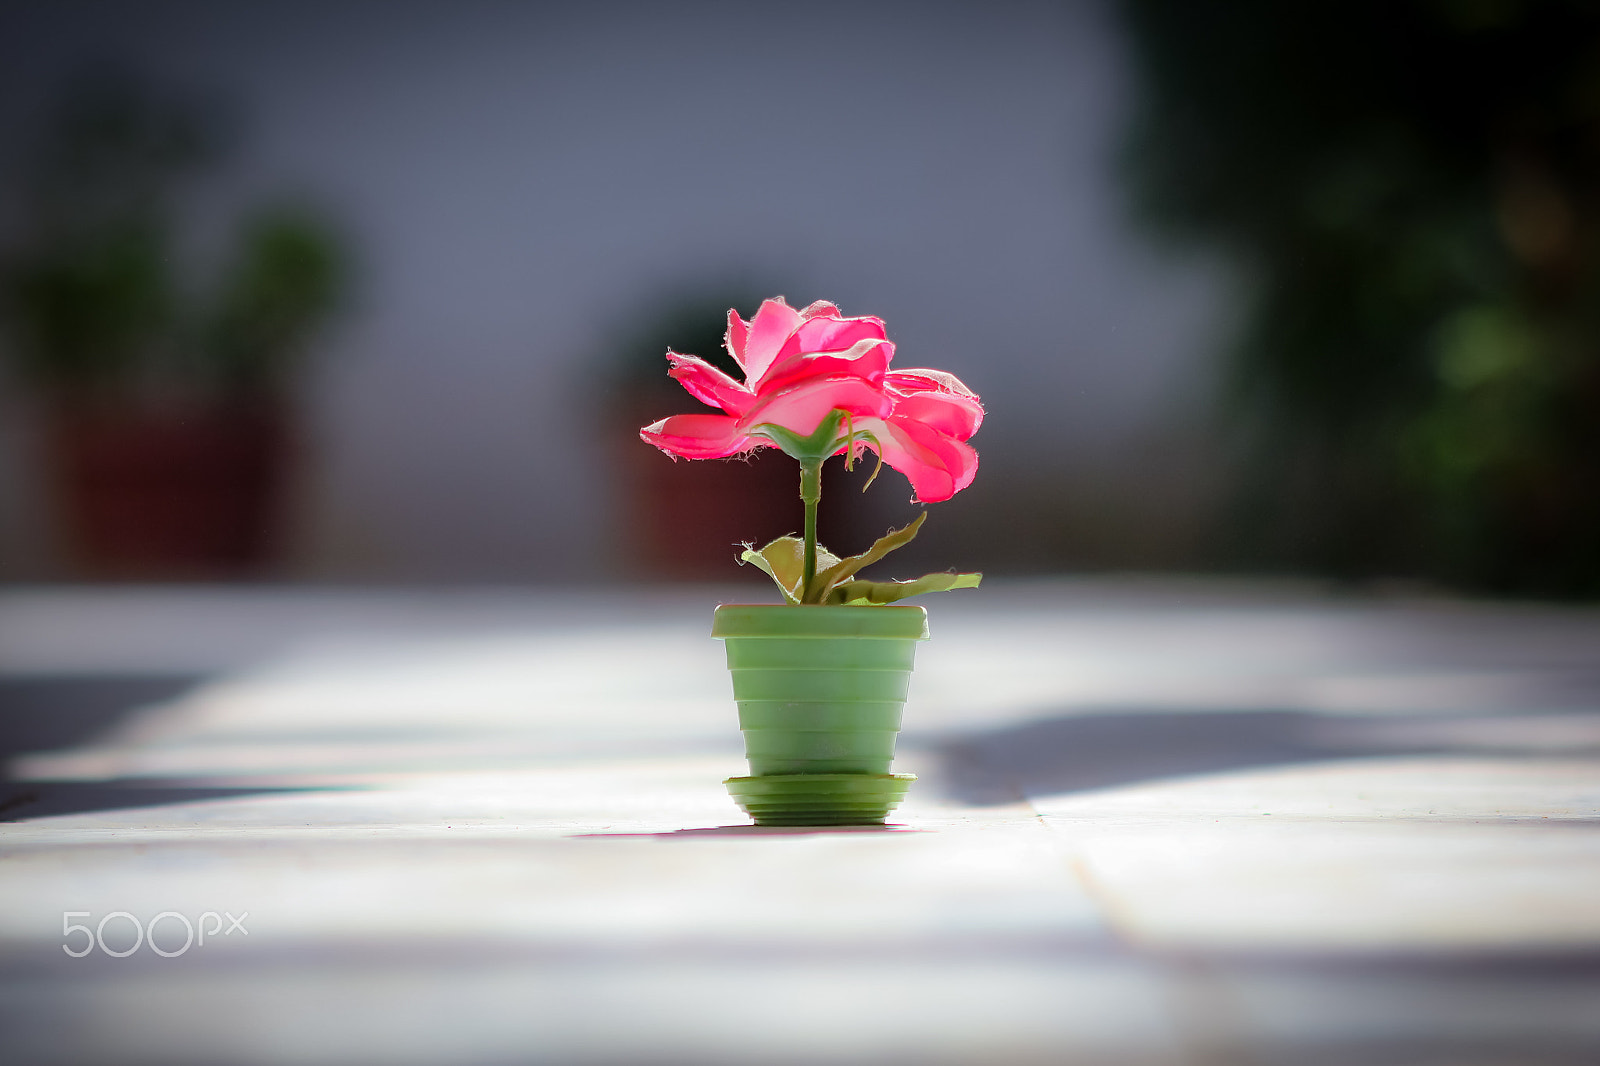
378 293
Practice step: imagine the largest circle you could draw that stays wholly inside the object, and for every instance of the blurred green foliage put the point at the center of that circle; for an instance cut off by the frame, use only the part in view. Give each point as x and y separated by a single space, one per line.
691 321
89 291
1412 188
284 282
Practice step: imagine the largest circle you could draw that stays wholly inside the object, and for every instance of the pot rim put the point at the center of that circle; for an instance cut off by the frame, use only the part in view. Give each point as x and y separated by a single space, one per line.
810 620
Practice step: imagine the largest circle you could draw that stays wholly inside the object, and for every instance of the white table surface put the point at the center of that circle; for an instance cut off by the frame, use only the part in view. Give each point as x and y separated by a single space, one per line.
1157 822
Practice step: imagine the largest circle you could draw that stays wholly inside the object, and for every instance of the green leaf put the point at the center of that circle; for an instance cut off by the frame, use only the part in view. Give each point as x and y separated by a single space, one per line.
755 558
846 568
784 560
859 593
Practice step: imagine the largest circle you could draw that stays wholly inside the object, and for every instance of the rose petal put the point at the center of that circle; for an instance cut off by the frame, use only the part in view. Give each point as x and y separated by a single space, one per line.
708 384
921 380
833 332
769 329
802 407
829 335
820 307
937 466
697 436
950 414
734 338
868 359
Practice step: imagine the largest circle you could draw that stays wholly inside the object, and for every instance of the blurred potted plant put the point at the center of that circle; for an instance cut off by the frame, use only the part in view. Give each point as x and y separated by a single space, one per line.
1415 389
164 404
821 679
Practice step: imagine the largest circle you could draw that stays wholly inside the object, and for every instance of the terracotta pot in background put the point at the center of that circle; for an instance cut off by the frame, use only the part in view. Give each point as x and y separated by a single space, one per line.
161 494
684 519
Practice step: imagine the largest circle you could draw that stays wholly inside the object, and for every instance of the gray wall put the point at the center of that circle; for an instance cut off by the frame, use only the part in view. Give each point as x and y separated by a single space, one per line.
521 178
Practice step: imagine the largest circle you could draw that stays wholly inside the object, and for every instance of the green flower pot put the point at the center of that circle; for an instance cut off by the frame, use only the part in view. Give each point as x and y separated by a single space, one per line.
820 693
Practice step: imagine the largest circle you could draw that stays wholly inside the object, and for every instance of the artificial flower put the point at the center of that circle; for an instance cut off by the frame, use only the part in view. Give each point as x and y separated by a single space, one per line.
800 367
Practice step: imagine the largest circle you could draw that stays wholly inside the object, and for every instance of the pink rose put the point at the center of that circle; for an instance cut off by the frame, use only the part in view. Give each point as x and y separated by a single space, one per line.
925 436
801 366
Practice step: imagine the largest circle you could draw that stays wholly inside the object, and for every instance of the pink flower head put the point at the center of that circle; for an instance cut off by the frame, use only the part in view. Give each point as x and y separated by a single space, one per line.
801 366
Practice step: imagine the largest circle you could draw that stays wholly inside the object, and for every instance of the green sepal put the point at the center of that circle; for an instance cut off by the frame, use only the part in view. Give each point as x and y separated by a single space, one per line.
846 568
862 593
783 560
825 441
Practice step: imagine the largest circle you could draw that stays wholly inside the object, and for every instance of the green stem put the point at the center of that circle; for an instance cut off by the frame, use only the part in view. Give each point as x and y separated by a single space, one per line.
810 494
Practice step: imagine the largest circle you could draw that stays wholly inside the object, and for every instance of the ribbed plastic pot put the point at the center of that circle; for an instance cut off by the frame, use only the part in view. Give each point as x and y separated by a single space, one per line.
820 693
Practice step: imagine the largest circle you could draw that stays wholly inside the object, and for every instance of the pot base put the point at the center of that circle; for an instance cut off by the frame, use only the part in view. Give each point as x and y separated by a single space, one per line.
819 799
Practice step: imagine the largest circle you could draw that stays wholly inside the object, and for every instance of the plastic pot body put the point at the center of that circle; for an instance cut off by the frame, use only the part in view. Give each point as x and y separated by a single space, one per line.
820 692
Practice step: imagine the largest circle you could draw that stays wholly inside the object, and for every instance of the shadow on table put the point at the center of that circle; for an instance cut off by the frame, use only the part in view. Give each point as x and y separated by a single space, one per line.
1084 751
751 831
22 800
49 713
